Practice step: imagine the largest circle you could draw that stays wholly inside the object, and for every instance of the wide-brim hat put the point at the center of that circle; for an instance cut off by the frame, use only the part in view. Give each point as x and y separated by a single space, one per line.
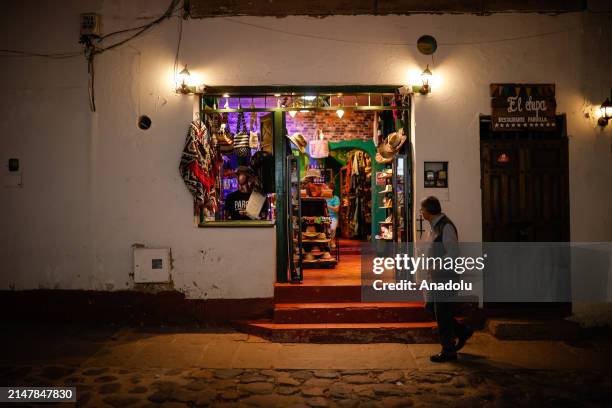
391 145
311 173
246 170
326 255
383 160
309 257
298 141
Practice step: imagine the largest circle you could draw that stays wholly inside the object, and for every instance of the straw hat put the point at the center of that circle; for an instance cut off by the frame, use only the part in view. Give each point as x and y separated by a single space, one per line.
311 173
298 141
315 250
246 170
391 145
326 255
309 257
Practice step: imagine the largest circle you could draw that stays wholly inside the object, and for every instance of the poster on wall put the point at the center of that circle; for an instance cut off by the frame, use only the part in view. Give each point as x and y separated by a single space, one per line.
523 107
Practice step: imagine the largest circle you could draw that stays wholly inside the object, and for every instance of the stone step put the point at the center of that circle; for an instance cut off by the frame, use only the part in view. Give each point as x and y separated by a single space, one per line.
533 329
418 332
350 312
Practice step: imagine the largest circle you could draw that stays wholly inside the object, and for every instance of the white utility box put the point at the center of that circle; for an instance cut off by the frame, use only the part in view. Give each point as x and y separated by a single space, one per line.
151 265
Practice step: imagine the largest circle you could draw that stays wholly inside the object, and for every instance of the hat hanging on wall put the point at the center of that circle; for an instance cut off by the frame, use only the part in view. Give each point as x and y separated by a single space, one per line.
390 146
298 141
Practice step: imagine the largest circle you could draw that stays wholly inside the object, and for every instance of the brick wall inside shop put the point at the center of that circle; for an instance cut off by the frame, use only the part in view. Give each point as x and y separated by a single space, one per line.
353 125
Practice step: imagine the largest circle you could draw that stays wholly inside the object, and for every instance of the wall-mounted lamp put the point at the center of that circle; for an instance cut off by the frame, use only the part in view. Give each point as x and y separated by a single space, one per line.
184 87
425 78
292 113
605 111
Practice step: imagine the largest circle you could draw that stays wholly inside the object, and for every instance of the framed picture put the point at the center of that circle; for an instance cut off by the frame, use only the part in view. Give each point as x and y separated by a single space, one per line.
436 175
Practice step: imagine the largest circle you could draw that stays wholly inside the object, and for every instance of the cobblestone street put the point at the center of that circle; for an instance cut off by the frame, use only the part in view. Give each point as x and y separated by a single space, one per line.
170 368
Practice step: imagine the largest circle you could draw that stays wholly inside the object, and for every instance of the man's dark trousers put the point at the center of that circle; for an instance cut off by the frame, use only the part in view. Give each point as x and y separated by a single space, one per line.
448 327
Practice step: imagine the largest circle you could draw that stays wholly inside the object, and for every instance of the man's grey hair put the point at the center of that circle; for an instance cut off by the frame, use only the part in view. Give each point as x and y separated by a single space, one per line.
432 205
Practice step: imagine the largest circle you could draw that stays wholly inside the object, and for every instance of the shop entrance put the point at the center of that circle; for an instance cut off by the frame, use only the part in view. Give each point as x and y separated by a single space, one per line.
347 193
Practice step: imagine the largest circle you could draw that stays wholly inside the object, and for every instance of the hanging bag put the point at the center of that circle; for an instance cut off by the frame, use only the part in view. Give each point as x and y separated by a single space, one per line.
241 140
253 135
319 147
225 138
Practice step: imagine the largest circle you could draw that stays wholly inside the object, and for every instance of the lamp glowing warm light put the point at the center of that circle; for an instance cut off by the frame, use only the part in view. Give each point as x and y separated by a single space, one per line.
185 77
340 113
605 113
426 76
292 113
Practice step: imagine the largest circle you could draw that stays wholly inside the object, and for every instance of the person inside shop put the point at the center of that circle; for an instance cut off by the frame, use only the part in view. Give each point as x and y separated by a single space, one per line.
444 243
236 202
333 205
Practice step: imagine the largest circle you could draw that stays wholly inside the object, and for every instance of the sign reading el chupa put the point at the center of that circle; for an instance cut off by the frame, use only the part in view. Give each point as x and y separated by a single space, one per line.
523 107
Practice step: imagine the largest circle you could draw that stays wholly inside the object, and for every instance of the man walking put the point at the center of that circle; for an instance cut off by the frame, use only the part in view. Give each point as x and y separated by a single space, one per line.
443 239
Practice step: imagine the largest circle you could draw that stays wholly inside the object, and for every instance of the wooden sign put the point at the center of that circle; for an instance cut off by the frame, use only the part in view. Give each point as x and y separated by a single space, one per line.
523 107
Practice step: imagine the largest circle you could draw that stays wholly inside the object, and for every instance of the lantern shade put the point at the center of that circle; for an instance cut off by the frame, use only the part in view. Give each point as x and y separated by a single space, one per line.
426 75
606 109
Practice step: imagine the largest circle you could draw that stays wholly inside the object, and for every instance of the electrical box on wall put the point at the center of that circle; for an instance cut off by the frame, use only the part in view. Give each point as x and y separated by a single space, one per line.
151 265
91 24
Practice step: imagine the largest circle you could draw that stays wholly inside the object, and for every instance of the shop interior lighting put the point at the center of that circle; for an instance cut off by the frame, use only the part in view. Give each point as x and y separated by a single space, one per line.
340 112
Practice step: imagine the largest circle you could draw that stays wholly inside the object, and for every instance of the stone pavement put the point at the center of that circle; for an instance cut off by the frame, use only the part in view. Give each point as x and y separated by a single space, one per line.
182 368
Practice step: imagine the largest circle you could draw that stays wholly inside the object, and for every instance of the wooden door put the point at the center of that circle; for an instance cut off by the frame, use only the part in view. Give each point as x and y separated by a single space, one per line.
524 182
525 198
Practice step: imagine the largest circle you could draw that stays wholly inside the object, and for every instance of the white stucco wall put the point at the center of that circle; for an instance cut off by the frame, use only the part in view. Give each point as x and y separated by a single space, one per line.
94 184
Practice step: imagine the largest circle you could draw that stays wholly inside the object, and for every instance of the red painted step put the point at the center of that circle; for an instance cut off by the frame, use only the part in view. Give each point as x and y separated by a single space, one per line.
420 332
354 312
300 293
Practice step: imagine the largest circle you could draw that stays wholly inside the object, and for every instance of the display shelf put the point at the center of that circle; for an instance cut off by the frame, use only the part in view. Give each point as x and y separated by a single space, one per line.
314 241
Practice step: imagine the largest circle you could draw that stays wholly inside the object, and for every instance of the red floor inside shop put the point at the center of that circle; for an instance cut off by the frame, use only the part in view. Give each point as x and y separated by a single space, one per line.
346 273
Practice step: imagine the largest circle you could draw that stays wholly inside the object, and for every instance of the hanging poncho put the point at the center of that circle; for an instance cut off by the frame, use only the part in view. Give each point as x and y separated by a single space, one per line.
197 165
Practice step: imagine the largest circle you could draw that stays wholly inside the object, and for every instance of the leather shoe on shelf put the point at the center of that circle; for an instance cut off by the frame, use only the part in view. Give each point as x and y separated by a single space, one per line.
443 357
463 338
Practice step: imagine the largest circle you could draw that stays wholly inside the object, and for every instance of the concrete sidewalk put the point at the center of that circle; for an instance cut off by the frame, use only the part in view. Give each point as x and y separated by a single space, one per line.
136 367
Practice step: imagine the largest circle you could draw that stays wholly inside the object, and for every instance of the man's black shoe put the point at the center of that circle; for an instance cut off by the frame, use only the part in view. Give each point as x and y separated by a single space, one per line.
462 339
443 357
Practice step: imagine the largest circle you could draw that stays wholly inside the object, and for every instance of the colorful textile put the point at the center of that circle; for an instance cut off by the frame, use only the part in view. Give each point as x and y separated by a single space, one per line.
197 166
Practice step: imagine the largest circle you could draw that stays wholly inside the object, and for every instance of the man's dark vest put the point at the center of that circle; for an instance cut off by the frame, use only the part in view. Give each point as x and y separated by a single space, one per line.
439 251
439 232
